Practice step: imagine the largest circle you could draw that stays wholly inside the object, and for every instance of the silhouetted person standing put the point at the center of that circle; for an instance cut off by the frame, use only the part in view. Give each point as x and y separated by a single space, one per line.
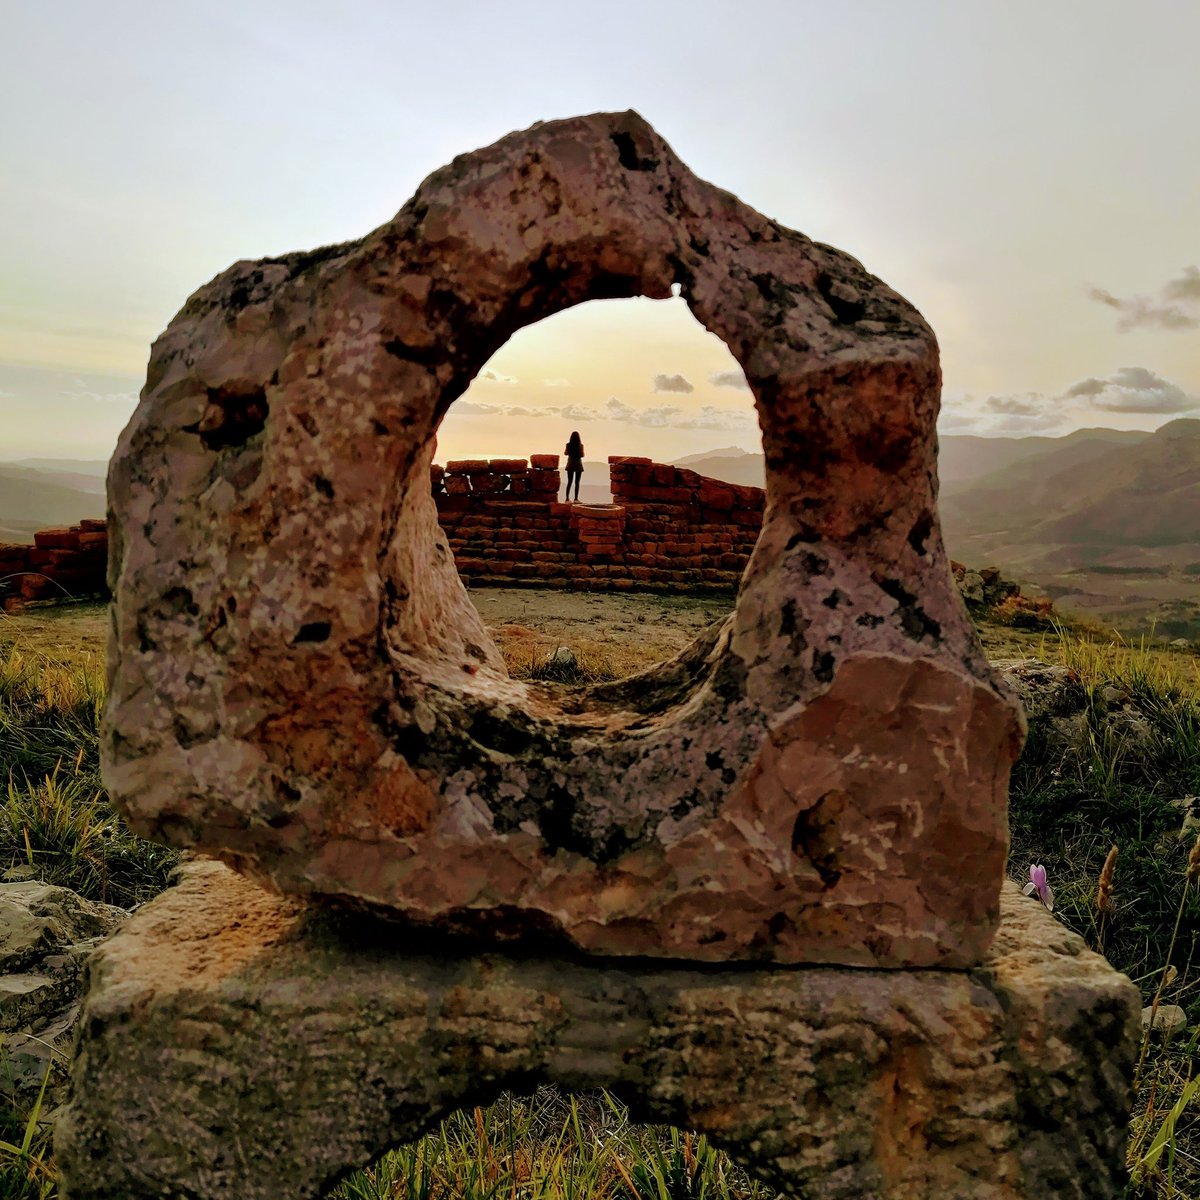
574 452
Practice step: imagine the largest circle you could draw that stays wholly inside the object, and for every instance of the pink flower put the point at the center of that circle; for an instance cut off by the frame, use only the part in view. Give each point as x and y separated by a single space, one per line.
1037 884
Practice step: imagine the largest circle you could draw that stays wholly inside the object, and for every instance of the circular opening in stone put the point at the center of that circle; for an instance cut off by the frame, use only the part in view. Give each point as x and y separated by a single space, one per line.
602 589
301 684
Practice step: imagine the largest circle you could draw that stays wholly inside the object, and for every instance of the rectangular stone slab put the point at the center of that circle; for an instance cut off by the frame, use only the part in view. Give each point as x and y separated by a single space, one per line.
235 1044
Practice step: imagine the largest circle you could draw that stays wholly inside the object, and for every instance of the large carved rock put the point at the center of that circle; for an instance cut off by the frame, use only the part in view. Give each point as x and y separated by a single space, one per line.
300 685
238 1045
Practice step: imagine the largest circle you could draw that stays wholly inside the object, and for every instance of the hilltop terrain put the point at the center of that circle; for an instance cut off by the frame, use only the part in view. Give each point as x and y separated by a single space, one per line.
1109 762
1107 522
37 493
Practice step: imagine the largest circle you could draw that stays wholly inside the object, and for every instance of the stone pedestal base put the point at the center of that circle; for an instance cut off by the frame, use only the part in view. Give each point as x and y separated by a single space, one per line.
238 1045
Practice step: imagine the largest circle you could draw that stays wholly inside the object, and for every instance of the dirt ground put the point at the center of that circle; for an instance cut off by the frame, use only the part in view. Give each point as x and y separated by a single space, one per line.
612 634
629 631
618 633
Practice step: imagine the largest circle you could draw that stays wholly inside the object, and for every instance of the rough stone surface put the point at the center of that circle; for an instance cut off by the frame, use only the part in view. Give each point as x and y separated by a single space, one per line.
300 685
1068 716
46 935
239 1045
1168 1019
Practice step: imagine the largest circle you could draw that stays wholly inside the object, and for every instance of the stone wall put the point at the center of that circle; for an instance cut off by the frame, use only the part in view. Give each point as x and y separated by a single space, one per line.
667 527
63 563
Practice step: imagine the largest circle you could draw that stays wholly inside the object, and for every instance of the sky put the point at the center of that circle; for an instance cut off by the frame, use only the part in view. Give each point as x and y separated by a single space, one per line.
1027 174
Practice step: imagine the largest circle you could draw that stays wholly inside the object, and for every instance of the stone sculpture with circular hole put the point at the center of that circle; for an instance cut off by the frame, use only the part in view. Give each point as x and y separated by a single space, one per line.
301 686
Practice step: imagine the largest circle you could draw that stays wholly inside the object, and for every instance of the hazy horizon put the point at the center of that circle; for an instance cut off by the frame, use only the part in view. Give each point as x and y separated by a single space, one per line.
1026 175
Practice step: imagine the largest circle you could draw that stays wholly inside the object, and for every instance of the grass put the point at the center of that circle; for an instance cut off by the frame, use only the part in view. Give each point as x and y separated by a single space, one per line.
1099 780
553 1147
55 819
1079 790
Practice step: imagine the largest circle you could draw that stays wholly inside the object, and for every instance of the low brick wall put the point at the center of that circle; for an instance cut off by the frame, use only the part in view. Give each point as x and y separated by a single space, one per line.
668 529
62 564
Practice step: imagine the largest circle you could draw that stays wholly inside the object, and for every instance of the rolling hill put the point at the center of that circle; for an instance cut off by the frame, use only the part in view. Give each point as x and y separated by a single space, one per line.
1096 501
32 499
1105 521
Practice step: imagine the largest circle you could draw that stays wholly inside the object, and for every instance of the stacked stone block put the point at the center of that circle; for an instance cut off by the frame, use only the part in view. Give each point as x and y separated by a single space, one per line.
502 478
668 529
67 562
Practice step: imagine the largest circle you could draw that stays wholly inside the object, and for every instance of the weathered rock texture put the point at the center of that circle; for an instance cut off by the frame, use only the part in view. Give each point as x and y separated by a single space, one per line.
46 935
239 1045
670 529
300 684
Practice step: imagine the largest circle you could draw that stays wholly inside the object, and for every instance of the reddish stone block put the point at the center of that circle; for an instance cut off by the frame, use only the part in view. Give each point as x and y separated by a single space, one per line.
466 466
57 539
543 482
36 587
486 483
505 466
93 525
93 540
546 462
715 496
457 485
629 460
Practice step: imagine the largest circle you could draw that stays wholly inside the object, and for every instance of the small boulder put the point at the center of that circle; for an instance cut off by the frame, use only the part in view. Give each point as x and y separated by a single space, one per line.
1168 1020
46 936
562 659
971 586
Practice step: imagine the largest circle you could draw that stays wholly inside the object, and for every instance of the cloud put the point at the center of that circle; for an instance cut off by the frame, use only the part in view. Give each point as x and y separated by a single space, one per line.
956 422
1178 305
1134 390
1186 287
661 416
93 397
1000 416
671 416
729 379
491 376
1031 404
576 412
556 383
1085 387
474 408
672 383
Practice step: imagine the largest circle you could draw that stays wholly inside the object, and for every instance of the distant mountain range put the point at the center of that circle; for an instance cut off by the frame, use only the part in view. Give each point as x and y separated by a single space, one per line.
1105 521
39 492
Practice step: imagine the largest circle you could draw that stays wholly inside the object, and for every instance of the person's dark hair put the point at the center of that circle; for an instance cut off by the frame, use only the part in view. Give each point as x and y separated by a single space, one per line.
575 443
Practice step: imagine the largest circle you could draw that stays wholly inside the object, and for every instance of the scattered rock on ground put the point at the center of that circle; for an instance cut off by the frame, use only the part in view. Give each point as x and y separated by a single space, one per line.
46 936
1189 808
1068 714
1168 1020
988 594
562 658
